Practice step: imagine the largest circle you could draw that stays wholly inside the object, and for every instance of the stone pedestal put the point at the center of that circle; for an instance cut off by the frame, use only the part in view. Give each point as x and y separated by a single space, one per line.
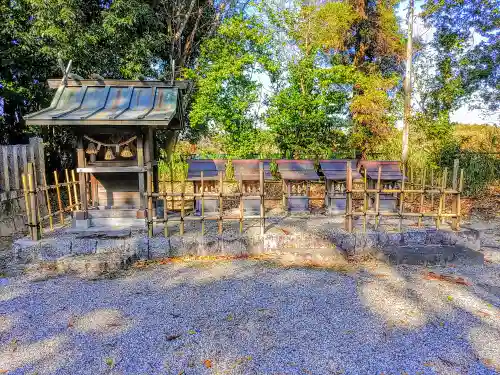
141 214
337 203
80 220
388 203
211 206
251 206
298 203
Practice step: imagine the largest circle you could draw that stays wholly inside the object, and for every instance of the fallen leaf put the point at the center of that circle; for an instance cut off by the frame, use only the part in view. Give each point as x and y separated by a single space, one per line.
483 313
451 279
3 371
229 317
207 363
450 298
192 332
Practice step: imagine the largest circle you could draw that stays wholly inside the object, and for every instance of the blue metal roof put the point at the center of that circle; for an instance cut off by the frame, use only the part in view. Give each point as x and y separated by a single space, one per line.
145 104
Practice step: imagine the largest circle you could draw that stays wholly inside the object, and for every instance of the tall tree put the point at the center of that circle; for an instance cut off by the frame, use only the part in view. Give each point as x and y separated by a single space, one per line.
358 46
228 91
116 39
467 59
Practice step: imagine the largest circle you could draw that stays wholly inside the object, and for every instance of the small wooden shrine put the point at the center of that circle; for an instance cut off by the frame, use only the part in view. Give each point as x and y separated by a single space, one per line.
383 174
296 175
247 173
206 176
335 172
114 122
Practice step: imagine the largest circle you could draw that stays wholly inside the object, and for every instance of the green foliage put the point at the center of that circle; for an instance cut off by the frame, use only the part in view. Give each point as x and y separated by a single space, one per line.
337 89
465 39
308 116
229 170
176 169
227 90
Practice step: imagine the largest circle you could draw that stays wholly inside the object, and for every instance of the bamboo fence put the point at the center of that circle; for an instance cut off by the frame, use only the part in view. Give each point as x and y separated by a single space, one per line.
48 203
421 187
62 198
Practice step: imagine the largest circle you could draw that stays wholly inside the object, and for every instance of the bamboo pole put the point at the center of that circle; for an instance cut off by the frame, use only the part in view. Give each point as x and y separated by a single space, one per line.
47 200
241 204
221 202
459 196
35 229
183 202
401 201
202 204
68 187
442 197
422 196
165 208
455 182
59 200
75 190
377 196
432 188
284 188
365 202
171 182
27 202
262 208
348 222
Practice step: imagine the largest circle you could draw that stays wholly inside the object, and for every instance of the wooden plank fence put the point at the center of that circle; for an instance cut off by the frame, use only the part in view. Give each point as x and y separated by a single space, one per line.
14 161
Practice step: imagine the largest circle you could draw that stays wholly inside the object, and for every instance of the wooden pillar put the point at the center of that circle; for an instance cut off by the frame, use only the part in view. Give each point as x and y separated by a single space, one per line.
82 214
141 213
148 156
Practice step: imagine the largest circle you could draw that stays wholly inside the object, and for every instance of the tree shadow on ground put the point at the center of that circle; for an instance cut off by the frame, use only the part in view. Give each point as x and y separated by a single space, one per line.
250 317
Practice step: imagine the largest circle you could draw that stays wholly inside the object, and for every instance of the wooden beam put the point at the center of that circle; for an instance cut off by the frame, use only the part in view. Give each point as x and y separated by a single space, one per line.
140 165
80 151
55 83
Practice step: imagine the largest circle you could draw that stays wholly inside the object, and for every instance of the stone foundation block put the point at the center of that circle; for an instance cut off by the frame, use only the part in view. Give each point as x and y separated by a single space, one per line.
210 245
389 239
348 243
83 246
52 250
235 245
139 245
157 247
414 237
106 246
184 246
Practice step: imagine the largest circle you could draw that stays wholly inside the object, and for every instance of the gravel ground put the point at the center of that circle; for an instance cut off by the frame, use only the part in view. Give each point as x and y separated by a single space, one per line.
249 317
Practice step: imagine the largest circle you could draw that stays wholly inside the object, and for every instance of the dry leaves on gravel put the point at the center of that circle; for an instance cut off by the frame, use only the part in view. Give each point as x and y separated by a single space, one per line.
448 278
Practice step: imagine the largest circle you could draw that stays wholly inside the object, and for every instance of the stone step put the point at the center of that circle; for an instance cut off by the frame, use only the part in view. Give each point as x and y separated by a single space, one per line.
113 213
113 222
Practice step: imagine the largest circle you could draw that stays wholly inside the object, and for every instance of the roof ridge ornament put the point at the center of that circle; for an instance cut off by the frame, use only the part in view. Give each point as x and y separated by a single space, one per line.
66 71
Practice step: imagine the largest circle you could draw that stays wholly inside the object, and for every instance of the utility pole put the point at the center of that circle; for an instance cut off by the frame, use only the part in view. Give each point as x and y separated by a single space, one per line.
407 84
